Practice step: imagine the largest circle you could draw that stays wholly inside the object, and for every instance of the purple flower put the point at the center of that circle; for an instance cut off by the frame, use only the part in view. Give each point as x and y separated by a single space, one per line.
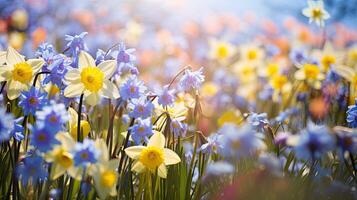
192 80
166 97
212 144
141 130
179 128
18 130
75 45
58 68
141 108
53 116
6 125
85 153
125 60
100 56
132 88
258 121
32 100
32 168
352 115
43 138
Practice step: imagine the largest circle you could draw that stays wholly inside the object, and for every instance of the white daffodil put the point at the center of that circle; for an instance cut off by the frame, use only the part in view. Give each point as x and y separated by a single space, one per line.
316 12
153 156
91 80
18 72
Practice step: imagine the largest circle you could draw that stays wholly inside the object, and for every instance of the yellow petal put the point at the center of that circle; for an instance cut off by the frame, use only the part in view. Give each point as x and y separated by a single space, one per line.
85 60
110 90
36 64
73 90
138 167
108 67
74 115
157 140
92 99
134 151
171 157
57 171
13 57
162 171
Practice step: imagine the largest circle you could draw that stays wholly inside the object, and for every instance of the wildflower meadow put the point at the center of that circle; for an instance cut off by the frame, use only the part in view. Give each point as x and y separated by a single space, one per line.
178 100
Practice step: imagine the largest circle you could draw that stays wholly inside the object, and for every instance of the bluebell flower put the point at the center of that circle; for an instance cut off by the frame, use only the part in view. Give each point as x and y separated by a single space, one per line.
99 56
125 60
32 100
85 153
141 108
346 139
166 96
281 138
213 144
46 52
18 130
43 139
284 115
75 45
32 168
219 168
352 115
6 125
178 128
58 69
266 94
240 142
132 88
258 121
141 130
312 142
298 56
53 116
191 80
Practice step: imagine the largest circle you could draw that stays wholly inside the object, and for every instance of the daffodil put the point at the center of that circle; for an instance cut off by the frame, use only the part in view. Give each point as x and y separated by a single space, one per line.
352 56
153 156
220 50
328 57
280 84
91 80
18 72
230 116
73 124
251 53
316 12
105 178
311 73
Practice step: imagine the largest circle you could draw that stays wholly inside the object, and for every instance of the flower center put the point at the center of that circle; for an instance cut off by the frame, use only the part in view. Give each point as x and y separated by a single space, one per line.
92 78
272 69
311 71
222 52
316 13
41 137
108 178
84 155
22 72
32 101
279 81
327 61
252 55
152 157
64 159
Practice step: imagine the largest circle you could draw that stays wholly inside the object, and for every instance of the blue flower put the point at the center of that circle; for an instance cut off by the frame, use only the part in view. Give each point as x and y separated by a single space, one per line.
212 144
142 130
18 130
179 128
352 115
141 108
166 97
125 60
240 142
53 116
46 52
43 138
32 100
75 45
85 153
313 142
32 168
132 88
58 69
6 125
298 56
191 80
220 168
258 121
346 140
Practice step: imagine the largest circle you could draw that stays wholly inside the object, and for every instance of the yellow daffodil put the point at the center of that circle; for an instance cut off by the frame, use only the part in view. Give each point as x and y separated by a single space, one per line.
52 90
105 178
281 86
220 50
73 124
328 57
18 73
230 116
352 57
91 80
153 156
316 12
310 73
251 53
246 72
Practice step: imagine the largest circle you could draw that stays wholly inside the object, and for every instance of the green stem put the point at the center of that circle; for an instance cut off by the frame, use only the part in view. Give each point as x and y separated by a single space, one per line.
79 132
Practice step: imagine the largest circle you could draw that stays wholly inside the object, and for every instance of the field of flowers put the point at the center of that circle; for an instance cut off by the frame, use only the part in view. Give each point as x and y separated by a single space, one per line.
136 100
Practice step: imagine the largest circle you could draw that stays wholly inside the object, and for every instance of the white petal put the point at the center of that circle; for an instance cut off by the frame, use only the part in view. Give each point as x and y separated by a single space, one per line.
13 57
73 90
2 57
162 171
157 140
72 75
134 151
36 64
85 60
108 67
92 99
138 167
110 90
171 157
